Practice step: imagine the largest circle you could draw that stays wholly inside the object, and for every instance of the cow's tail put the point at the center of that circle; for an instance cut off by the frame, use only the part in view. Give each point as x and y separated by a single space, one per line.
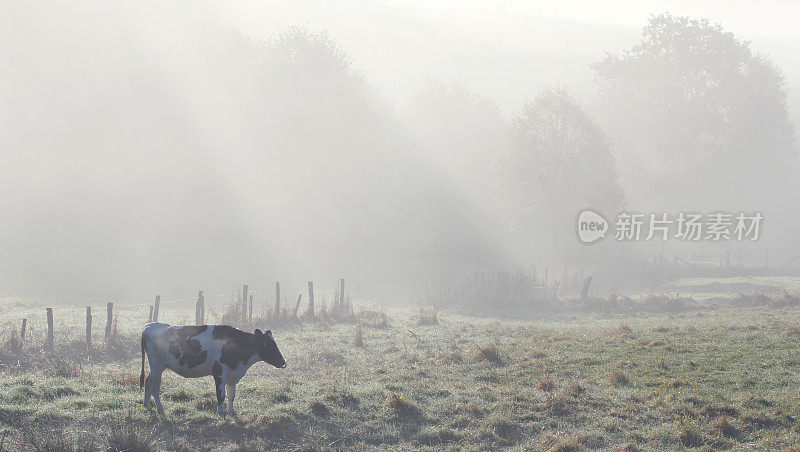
141 375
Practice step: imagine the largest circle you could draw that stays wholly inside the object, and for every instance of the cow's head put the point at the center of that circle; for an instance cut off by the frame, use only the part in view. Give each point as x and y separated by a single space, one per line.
268 349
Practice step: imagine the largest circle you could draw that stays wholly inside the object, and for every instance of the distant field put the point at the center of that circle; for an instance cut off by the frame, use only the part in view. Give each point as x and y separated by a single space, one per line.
705 288
721 378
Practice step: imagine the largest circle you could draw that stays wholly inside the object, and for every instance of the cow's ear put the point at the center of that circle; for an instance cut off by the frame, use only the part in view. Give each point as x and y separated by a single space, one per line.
258 332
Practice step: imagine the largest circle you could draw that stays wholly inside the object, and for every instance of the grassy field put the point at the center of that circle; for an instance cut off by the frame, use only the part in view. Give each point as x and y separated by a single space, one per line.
727 377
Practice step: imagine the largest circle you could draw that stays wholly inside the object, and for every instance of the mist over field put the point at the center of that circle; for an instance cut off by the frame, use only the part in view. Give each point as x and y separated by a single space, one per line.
422 225
166 147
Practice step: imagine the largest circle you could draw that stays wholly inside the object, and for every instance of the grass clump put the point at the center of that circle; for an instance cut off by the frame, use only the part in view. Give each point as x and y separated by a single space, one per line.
546 384
489 353
319 409
400 407
616 378
688 435
426 315
725 427
128 438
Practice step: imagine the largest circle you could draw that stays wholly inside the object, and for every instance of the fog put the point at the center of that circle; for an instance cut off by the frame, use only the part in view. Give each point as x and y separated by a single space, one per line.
155 147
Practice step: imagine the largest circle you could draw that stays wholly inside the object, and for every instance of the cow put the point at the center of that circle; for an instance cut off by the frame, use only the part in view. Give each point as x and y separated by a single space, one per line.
221 351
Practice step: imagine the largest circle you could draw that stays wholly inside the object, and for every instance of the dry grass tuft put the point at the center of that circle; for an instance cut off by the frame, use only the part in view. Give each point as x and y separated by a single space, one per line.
725 427
400 407
661 329
568 444
624 331
489 353
372 317
574 389
616 378
793 331
546 384
126 378
688 435
319 409
656 343
129 438
426 315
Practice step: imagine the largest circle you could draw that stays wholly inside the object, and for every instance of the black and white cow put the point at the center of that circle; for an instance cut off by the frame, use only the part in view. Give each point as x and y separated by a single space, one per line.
221 351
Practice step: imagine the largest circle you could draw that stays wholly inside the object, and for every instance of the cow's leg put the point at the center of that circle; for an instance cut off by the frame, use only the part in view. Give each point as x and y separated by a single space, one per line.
156 382
219 384
231 396
148 392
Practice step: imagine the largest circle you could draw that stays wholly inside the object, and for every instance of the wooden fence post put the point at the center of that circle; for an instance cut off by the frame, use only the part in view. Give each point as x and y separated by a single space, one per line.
585 289
297 305
310 312
341 293
88 327
22 331
200 310
245 289
150 316
109 318
277 313
50 328
155 308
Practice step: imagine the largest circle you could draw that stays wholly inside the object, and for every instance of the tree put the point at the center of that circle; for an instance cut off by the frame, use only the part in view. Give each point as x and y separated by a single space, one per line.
691 108
555 163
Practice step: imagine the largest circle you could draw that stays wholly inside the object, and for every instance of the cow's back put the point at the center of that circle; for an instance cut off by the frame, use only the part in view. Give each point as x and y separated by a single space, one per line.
189 350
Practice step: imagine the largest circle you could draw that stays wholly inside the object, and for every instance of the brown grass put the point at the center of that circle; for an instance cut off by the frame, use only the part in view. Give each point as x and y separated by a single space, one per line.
400 407
688 435
426 315
372 317
546 384
624 331
616 378
489 353
725 427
